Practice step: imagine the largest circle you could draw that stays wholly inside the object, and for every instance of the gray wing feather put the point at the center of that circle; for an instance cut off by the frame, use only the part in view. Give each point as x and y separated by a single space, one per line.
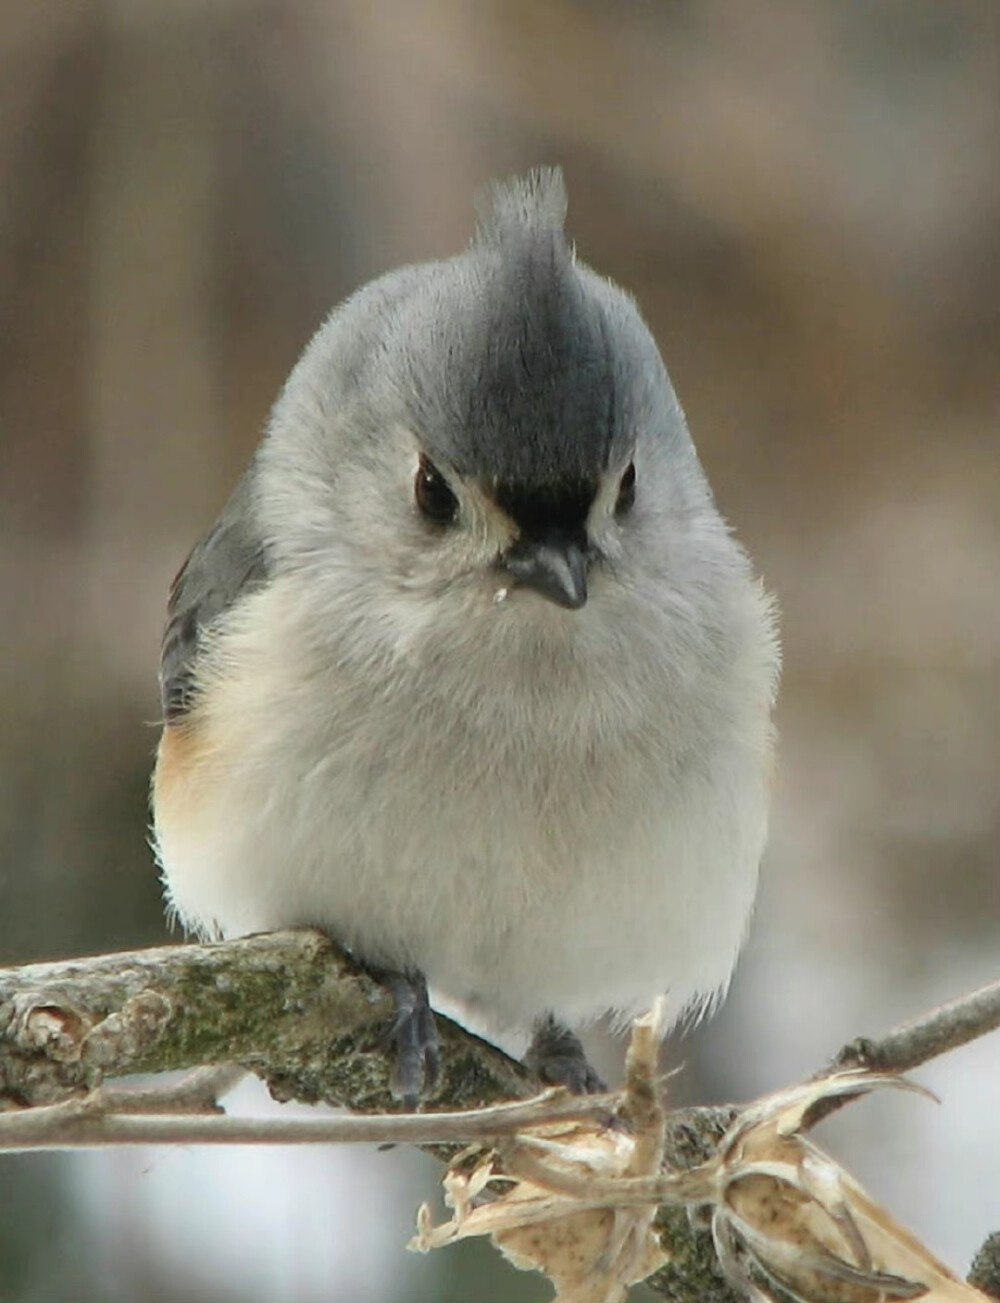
228 562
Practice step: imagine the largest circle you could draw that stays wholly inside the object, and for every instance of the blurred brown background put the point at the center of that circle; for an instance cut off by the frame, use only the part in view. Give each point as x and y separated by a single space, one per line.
805 197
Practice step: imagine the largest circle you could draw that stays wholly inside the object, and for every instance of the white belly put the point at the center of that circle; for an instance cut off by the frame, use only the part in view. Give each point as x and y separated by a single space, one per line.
523 858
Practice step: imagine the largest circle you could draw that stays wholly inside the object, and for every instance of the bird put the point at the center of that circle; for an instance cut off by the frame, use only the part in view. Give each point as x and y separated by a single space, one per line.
470 672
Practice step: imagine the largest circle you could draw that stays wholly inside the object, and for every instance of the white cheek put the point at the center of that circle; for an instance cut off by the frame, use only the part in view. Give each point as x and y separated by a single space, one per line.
606 534
494 531
472 546
603 527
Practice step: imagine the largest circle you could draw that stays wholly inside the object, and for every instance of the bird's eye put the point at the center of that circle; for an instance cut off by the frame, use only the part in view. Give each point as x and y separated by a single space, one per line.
626 491
434 498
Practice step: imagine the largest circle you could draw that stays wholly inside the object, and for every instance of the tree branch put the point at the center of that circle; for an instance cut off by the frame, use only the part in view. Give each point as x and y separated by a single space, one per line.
297 1011
289 1006
931 1034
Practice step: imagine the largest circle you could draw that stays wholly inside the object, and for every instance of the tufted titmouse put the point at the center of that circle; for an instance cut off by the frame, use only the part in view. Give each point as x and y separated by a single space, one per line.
470 672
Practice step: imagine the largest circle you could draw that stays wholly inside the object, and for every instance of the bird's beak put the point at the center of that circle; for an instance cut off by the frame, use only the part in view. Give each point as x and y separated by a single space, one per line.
553 564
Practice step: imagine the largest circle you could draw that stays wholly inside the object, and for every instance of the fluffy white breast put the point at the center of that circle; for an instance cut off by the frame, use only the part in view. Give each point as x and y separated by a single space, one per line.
539 809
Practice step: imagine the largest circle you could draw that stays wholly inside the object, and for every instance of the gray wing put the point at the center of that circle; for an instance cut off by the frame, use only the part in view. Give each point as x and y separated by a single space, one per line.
226 563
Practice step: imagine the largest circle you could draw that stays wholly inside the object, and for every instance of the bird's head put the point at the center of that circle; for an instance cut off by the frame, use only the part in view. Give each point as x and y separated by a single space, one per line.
489 438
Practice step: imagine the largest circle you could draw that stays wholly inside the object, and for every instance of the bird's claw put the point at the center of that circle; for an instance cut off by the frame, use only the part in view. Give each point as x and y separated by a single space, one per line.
412 1039
556 1057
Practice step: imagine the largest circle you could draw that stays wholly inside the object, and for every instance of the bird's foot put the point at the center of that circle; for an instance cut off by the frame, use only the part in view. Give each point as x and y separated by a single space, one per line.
412 1039
556 1057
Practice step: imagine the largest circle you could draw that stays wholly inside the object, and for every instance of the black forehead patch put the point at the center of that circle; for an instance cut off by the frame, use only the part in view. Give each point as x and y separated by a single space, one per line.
525 388
539 508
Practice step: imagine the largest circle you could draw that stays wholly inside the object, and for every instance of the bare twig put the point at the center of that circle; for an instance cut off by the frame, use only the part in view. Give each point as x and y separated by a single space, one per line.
931 1034
916 1041
197 1092
116 1118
